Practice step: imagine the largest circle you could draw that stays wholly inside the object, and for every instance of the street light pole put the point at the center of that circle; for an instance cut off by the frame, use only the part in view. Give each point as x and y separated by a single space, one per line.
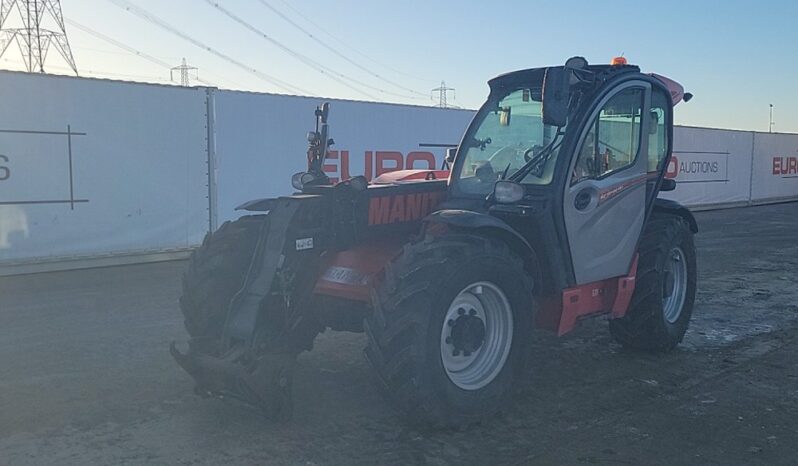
770 126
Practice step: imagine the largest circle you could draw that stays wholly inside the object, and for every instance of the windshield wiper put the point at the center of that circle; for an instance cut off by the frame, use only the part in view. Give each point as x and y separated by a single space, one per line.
538 159
504 173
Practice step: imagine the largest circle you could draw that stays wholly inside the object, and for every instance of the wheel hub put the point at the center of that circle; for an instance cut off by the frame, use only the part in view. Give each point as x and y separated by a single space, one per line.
674 285
476 336
468 333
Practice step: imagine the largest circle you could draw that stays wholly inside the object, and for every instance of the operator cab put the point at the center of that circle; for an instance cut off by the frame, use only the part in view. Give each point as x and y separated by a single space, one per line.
573 156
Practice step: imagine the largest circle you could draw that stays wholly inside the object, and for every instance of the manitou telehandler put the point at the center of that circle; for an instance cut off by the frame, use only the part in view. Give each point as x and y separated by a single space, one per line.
549 214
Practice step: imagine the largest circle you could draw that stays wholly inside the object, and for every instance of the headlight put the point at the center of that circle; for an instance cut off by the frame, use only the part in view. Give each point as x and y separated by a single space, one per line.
508 192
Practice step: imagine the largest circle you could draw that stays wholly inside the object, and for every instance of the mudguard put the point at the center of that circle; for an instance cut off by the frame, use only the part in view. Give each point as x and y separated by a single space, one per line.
668 206
468 219
258 205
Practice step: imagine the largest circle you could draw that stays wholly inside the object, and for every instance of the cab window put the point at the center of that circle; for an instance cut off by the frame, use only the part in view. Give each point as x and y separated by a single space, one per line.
613 140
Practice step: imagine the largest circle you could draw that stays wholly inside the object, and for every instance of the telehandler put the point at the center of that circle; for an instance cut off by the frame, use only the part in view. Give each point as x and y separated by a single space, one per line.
549 214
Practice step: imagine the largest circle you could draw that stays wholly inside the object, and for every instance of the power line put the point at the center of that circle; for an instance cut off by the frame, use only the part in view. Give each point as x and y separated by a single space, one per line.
331 35
333 50
332 74
113 52
147 16
97 73
306 60
127 48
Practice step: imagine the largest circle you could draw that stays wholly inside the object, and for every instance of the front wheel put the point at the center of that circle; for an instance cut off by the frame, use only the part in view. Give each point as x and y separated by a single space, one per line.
662 303
450 331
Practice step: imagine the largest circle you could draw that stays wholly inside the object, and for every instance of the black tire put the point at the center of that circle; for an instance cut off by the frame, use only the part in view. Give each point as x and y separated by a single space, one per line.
645 326
404 330
215 273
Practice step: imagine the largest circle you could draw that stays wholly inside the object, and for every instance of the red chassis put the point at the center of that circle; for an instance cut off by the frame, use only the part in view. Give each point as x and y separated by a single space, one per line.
350 274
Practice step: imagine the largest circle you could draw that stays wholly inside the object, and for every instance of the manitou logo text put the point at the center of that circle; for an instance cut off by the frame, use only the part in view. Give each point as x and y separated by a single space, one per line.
402 208
785 166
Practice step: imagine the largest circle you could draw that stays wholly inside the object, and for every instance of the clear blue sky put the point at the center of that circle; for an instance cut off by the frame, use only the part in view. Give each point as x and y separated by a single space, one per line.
735 56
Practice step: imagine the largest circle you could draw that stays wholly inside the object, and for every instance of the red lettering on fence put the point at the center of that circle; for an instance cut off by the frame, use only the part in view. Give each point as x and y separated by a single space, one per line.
376 163
785 165
673 168
414 157
388 156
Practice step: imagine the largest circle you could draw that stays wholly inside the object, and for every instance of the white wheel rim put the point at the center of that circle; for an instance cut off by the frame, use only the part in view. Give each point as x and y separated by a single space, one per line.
675 286
471 364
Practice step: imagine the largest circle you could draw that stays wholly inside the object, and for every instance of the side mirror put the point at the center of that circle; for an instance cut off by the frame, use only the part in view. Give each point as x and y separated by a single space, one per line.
557 89
668 184
508 192
451 152
556 95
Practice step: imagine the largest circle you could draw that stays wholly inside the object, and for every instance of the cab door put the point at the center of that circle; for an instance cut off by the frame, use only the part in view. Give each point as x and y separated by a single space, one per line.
605 193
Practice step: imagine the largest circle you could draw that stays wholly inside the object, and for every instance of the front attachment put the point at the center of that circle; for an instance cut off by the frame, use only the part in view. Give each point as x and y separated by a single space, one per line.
263 382
266 323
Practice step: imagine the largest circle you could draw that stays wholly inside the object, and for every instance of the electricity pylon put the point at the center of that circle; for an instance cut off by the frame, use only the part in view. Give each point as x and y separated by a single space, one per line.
33 40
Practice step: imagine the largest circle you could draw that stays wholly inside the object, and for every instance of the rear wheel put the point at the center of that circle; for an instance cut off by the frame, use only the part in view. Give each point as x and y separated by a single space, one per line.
450 331
662 304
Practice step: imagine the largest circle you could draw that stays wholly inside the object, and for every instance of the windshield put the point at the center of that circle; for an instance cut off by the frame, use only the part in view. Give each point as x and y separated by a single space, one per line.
507 134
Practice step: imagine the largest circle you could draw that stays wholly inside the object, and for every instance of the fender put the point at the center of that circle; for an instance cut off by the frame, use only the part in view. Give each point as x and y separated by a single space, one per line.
258 205
666 206
488 225
269 203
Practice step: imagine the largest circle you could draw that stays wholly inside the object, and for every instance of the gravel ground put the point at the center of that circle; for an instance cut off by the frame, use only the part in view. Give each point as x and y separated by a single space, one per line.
85 377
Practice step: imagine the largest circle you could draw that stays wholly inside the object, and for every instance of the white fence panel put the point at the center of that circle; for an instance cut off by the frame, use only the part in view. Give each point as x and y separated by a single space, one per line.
93 167
711 166
260 141
775 167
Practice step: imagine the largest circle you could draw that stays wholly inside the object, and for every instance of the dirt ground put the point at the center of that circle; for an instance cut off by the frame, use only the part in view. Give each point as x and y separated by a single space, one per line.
86 378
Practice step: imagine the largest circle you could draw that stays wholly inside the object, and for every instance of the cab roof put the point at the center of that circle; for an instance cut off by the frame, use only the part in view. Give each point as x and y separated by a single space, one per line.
601 73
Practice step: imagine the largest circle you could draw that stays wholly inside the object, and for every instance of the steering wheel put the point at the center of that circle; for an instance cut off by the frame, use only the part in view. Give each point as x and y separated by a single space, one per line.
484 172
532 152
507 155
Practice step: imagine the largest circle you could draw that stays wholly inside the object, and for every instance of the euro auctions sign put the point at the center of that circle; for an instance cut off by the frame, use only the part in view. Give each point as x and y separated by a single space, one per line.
699 167
775 164
340 166
785 167
710 166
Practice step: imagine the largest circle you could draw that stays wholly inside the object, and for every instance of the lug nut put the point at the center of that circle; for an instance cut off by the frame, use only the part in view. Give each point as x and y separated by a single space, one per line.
461 311
448 340
450 323
455 353
472 312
